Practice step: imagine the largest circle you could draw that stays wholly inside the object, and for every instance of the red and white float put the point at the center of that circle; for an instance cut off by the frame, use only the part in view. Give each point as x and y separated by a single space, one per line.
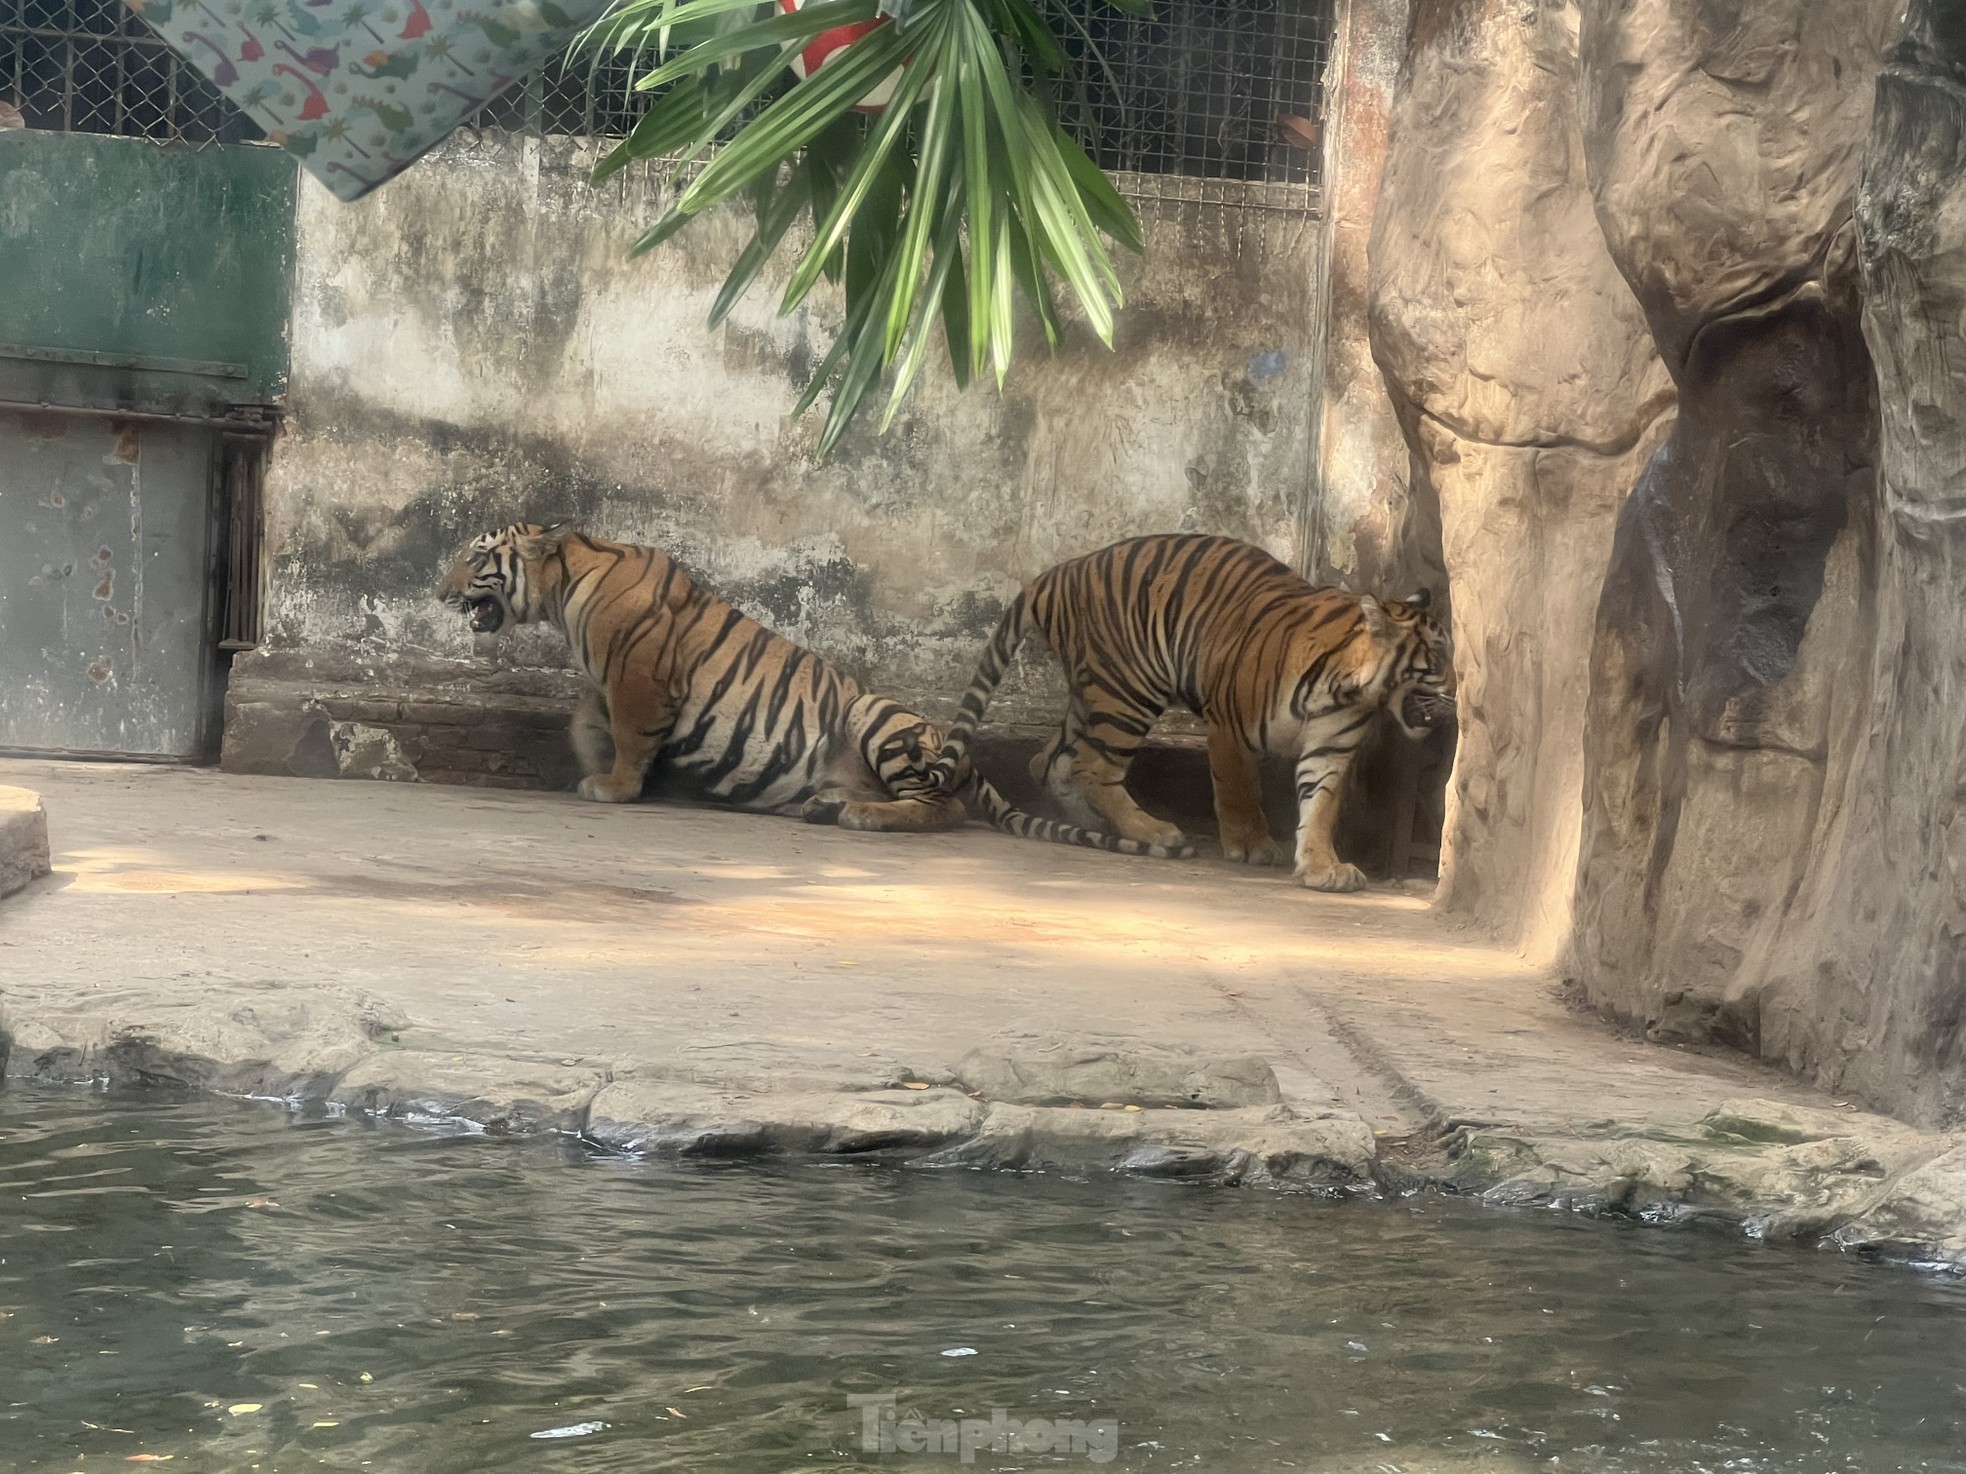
828 46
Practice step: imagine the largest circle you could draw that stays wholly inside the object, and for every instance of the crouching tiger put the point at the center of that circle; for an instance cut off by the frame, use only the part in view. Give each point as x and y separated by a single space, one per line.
1269 662
684 682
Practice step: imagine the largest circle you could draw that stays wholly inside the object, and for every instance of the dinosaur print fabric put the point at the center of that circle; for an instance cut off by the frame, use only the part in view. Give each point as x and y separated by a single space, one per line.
358 90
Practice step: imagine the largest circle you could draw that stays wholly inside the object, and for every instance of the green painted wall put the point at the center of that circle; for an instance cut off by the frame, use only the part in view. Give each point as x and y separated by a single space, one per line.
119 246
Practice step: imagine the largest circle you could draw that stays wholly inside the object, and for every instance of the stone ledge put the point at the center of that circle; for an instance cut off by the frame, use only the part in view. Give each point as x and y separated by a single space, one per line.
324 1044
1273 1145
1186 1023
23 839
289 714
1770 1169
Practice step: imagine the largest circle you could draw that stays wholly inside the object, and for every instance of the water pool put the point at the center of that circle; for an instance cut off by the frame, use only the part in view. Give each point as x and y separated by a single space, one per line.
227 1287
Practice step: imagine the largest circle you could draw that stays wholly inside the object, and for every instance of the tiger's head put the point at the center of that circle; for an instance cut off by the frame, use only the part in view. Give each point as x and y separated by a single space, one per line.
499 577
1420 683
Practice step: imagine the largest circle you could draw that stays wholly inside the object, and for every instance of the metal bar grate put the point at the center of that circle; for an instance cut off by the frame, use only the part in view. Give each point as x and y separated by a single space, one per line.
244 588
1202 89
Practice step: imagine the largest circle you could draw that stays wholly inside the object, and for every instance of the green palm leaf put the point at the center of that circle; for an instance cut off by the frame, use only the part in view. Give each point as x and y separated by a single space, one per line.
960 199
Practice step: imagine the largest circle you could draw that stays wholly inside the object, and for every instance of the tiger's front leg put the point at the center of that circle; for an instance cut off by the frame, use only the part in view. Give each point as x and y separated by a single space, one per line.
1326 757
638 725
593 744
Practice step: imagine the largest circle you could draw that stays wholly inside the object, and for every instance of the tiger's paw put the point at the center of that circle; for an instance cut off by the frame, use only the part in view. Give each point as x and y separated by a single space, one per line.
1160 835
823 808
1261 850
1340 877
601 788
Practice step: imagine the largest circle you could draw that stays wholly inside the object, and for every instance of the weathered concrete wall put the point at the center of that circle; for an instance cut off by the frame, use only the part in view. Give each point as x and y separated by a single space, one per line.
471 346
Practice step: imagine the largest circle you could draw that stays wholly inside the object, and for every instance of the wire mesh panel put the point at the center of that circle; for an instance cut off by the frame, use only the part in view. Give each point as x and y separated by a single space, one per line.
582 96
90 66
579 96
1215 102
1206 89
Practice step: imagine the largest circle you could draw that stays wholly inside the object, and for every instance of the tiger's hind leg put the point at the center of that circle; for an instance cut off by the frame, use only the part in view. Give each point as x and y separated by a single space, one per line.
896 749
1051 770
1093 771
1041 764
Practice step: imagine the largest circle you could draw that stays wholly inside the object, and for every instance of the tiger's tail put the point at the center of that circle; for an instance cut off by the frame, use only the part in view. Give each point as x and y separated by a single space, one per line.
947 770
984 799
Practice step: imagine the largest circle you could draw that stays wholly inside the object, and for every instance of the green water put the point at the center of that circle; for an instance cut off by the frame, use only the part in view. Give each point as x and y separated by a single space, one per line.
399 1299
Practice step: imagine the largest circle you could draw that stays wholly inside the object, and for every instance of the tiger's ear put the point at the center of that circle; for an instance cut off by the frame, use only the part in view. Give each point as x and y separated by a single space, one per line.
1421 598
1378 623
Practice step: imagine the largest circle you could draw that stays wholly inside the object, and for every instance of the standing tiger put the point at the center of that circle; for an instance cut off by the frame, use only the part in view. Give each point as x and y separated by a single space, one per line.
1269 662
685 682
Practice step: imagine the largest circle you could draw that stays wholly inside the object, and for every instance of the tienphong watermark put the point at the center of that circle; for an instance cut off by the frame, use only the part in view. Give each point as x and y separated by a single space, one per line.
885 1429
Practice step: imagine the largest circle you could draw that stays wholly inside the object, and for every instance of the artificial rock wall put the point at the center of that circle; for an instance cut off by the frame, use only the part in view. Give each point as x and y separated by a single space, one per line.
1531 394
1869 988
1729 660
1668 293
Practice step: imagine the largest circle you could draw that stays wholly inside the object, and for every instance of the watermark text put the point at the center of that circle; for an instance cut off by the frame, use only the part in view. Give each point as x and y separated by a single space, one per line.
884 1429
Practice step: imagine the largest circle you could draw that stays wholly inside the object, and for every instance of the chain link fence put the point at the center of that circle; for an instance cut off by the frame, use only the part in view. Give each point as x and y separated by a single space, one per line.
1213 101
1201 89
91 66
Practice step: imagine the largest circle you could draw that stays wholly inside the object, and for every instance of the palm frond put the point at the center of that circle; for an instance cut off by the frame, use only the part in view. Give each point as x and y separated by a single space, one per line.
960 198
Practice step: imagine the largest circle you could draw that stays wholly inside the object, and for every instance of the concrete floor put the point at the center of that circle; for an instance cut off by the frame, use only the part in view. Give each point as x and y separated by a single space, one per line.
763 955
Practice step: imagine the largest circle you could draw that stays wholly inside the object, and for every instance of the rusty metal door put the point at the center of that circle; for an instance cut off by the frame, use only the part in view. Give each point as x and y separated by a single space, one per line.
144 290
106 585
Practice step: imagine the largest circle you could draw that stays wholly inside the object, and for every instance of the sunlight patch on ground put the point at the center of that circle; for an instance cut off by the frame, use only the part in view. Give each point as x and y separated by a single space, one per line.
133 872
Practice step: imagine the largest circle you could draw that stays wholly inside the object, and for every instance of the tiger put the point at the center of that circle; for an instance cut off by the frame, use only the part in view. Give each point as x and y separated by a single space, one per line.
684 683
1270 663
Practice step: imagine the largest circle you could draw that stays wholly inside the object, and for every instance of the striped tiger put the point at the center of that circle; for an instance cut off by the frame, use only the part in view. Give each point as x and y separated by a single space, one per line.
684 682
1269 662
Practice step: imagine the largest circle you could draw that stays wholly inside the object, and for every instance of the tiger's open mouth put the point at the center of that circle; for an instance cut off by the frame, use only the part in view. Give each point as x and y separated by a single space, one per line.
486 615
1423 710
